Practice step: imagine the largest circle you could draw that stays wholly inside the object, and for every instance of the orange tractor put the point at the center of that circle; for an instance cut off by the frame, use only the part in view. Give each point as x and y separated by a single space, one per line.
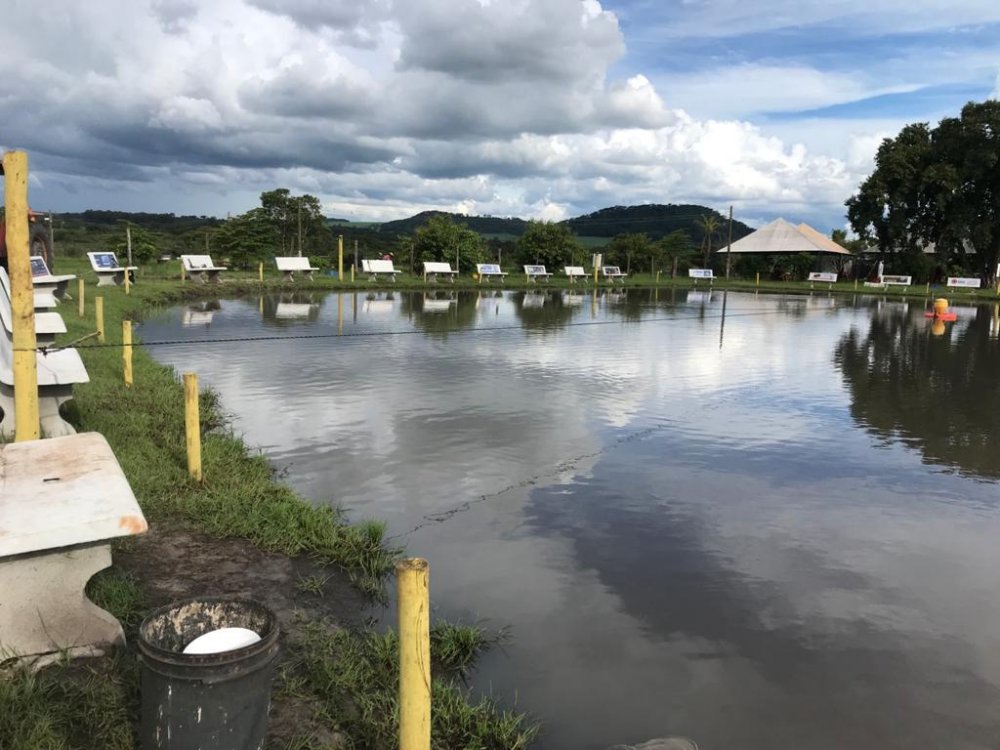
40 242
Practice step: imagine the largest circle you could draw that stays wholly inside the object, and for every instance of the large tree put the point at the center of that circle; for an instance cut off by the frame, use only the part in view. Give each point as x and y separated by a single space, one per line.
548 243
709 226
624 247
248 238
937 185
676 247
442 239
297 220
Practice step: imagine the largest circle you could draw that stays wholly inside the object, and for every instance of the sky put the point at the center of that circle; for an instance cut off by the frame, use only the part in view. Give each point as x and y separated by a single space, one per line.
540 109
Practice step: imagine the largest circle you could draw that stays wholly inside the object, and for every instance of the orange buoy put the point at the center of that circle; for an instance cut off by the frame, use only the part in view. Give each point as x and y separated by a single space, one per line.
941 311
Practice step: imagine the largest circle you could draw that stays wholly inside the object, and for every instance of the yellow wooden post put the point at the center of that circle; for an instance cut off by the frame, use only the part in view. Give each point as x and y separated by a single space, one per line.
340 259
192 425
182 269
99 317
127 351
758 278
128 284
855 285
657 275
22 296
80 289
352 274
595 274
414 655
260 272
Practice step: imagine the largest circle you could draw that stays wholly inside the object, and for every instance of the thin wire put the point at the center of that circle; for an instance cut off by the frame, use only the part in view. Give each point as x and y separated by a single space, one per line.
408 332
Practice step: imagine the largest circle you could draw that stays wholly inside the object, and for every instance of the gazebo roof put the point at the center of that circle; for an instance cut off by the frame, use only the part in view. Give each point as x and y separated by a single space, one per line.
781 237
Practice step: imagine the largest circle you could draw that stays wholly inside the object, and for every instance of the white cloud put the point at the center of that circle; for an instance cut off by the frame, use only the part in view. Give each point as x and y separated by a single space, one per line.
383 109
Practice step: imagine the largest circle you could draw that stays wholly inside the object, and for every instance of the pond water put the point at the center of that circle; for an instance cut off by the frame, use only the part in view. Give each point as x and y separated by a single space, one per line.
759 522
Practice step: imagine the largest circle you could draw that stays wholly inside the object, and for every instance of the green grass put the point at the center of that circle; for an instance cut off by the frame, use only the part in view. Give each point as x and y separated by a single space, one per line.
69 706
121 594
354 678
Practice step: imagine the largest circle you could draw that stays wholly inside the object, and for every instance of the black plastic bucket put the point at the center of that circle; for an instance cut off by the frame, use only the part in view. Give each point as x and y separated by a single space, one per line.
217 701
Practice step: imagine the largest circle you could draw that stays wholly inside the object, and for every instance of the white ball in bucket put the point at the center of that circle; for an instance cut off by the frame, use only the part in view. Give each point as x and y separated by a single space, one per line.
223 639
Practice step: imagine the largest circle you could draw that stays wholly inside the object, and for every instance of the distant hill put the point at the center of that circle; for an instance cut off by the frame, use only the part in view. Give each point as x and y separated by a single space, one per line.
654 219
154 222
481 224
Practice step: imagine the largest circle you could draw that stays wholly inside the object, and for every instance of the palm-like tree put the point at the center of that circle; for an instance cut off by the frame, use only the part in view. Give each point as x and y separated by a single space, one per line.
709 226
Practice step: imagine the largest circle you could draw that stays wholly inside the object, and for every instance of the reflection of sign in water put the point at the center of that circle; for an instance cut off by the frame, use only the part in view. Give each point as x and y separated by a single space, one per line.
105 260
38 267
533 300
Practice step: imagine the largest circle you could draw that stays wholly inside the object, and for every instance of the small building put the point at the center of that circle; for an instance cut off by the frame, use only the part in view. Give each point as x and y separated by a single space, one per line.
782 238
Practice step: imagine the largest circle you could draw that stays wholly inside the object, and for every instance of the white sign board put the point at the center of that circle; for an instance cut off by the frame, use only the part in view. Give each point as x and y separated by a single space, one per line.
963 282
825 276
700 273
598 260
898 280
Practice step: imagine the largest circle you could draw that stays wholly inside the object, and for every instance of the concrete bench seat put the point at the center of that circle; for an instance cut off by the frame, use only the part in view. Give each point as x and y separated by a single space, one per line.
701 273
575 272
58 371
63 500
202 268
613 274
824 277
45 281
108 270
44 299
289 266
534 273
433 270
489 271
377 268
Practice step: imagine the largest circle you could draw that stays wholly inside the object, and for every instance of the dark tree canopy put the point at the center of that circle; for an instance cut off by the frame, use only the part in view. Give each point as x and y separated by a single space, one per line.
937 185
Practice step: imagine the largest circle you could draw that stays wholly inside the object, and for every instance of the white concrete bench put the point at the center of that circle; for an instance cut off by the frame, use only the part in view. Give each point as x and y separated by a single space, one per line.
575 272
202 268
58 371
701 273
824 277
291 265
63 500
44 299
613 274
534 273
961 282
434 270
45 281
109 273
490 271
376 268
48 325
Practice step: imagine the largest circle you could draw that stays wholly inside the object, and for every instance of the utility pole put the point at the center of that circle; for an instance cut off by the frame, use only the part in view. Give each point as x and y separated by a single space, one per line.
356 254
128 243
300 227
729 246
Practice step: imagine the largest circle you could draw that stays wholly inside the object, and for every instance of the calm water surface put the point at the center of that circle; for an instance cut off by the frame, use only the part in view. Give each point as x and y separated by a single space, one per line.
761 522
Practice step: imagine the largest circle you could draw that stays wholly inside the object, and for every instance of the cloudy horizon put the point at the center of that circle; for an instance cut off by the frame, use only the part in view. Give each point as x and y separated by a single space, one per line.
531 108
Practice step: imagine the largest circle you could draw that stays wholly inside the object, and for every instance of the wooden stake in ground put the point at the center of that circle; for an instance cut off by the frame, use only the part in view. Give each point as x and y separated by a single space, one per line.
22 296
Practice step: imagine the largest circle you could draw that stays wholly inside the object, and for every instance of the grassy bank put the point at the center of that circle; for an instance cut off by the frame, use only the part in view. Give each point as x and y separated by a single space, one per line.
341 680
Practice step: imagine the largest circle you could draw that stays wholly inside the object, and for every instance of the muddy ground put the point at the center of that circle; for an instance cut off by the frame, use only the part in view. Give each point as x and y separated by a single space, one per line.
173 562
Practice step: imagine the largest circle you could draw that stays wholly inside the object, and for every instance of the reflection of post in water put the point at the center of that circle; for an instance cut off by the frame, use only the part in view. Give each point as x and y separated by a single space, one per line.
593 302
995 322
722 322
260 305
354 298
340 314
